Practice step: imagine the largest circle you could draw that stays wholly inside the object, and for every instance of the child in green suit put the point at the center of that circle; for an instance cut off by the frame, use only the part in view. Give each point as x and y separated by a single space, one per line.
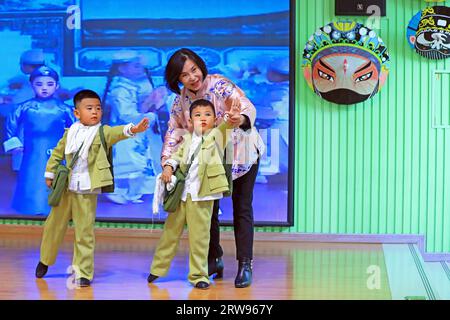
206 181
90 174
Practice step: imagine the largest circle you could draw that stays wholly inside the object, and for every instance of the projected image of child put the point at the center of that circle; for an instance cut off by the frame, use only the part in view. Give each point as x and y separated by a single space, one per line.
42 119
130 96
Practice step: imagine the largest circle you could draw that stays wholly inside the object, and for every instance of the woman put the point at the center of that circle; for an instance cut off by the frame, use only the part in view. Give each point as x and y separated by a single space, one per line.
187 68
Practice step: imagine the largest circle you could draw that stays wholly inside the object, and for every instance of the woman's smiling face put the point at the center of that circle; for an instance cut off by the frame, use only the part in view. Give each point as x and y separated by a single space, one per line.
191 76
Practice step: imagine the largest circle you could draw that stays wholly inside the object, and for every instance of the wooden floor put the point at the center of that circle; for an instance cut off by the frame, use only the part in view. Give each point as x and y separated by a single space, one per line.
282 270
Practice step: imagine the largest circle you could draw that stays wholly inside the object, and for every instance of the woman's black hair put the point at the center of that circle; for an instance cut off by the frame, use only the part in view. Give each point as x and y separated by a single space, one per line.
175 66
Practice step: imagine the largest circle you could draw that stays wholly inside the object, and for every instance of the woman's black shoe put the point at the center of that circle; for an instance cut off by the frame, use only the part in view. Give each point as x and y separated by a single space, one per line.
202 285
244 274
151 278
216 267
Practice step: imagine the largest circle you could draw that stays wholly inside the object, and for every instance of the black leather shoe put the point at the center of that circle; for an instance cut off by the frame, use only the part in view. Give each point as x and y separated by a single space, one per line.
83 282
216 267
244 274
41 270
202 285
151 278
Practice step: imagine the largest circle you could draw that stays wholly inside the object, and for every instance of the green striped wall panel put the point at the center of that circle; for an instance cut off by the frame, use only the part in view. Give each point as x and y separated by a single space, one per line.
376 167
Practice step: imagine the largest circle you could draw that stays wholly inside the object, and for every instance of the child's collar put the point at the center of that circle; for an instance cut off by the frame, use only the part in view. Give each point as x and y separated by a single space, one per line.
88 126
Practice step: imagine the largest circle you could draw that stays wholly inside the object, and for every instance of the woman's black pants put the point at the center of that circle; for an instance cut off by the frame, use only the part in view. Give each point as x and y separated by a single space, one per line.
242 218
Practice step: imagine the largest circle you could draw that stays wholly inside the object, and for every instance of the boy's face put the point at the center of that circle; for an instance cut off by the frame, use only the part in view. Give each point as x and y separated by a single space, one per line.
44 87
89 111
203 119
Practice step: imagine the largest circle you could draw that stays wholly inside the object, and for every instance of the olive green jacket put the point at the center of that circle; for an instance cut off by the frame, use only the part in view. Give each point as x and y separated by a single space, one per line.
211 172
98 164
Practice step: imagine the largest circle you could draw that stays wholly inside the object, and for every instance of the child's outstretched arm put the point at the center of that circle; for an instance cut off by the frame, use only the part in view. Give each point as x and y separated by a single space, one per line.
118 133
140 127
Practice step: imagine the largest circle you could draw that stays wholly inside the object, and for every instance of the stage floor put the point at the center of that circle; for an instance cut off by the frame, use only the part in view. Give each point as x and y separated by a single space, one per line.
282 271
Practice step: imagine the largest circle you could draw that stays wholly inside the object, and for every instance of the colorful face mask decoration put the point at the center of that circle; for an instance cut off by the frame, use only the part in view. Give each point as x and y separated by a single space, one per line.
412 29
345 62
429 32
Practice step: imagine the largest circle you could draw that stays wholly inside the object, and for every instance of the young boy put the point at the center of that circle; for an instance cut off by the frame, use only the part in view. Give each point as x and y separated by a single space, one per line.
90 173
35 127
206 181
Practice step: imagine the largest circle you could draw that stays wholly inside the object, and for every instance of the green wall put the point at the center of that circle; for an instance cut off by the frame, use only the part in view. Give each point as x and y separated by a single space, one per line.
377 167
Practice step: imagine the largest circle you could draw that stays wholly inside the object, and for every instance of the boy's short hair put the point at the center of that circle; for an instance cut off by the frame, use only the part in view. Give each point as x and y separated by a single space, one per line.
44 71
201 102
85 94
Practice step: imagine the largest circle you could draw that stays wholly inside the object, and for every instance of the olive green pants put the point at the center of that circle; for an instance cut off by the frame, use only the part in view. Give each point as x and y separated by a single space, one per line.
197 216
81 209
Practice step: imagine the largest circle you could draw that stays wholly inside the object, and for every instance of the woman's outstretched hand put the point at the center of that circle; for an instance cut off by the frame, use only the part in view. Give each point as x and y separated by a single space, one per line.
234 115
